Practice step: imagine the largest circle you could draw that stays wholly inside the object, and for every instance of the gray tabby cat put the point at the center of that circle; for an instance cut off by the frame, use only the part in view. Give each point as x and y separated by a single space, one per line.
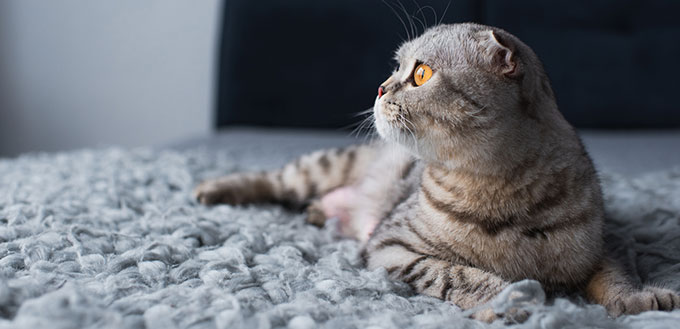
478 180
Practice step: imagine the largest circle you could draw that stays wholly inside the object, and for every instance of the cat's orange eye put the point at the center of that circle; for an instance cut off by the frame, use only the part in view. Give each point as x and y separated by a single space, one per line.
421 74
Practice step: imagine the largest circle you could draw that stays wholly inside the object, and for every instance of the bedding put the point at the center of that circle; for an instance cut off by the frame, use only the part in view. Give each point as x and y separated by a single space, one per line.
111 238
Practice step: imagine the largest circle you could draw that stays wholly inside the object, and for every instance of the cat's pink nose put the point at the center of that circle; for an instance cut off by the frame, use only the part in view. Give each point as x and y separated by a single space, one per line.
381 91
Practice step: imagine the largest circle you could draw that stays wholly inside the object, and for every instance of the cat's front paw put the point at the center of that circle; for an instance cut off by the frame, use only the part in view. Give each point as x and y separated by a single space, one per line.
666 299
315 214
216 191
512 316
516 315
648 299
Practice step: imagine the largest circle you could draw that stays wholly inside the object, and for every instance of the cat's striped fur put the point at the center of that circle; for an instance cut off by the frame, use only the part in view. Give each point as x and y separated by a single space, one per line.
478 182
295 184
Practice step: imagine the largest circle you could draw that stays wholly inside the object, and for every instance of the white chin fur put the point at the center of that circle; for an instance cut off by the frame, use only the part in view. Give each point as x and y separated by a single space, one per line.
387 130
381 125
379 122
392 134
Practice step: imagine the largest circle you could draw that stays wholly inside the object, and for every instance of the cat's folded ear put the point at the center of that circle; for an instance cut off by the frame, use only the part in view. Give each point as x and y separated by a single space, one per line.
499 53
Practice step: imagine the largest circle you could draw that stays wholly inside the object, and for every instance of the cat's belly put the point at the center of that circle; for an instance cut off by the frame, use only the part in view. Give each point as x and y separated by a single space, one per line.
345 204
361 206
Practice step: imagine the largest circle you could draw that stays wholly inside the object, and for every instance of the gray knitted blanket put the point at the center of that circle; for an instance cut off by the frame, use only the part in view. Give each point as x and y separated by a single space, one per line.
112 239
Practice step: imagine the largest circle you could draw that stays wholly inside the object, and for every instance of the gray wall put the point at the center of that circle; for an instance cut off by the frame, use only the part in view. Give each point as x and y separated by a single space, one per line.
84 73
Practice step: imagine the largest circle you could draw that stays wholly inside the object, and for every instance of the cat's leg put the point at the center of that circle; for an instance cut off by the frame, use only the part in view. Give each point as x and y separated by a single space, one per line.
465 286
611 287
297 183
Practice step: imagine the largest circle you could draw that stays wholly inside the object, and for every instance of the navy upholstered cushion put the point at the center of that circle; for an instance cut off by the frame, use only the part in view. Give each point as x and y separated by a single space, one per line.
611 62
307 63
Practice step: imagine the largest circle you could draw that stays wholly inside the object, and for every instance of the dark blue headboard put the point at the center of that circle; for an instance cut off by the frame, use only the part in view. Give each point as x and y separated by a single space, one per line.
310 63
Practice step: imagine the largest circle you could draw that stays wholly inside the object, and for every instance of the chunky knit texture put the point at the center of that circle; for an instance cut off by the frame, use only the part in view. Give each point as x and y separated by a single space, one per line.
112 239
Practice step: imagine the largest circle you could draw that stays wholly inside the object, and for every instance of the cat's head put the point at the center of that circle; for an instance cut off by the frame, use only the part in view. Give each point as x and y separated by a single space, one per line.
464 92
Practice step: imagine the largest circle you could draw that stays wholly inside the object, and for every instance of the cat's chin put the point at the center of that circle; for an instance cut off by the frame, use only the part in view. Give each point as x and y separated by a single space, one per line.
395 136
380 124
392 133
386 131
383 132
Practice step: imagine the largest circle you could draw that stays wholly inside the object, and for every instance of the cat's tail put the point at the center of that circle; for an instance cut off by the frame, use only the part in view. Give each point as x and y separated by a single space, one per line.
611 287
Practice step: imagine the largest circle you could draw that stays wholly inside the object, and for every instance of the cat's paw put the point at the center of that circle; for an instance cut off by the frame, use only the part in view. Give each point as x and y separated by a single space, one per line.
516 315
512 316
648 299
666 299
216 191
486 315
315 214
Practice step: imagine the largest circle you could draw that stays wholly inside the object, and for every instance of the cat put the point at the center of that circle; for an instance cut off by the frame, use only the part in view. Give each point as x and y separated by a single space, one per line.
477 181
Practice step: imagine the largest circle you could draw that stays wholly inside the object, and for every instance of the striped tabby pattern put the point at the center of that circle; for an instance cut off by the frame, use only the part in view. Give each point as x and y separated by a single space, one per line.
478 181
306 178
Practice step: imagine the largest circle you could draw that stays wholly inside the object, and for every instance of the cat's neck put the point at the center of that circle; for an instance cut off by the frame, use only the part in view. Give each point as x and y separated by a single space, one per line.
486 194
484 176
509 151
500 170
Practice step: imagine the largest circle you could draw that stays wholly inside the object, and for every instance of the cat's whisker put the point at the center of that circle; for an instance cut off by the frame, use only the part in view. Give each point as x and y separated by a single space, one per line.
414 15
421 24
408 18
358 126
434 13
415 141
405 123
408 35
366 111
368 125
351 125
362 126
354 127
371 132
444 14
420 10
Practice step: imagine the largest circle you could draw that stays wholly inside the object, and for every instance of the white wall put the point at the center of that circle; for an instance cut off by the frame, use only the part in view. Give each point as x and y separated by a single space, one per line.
82 73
